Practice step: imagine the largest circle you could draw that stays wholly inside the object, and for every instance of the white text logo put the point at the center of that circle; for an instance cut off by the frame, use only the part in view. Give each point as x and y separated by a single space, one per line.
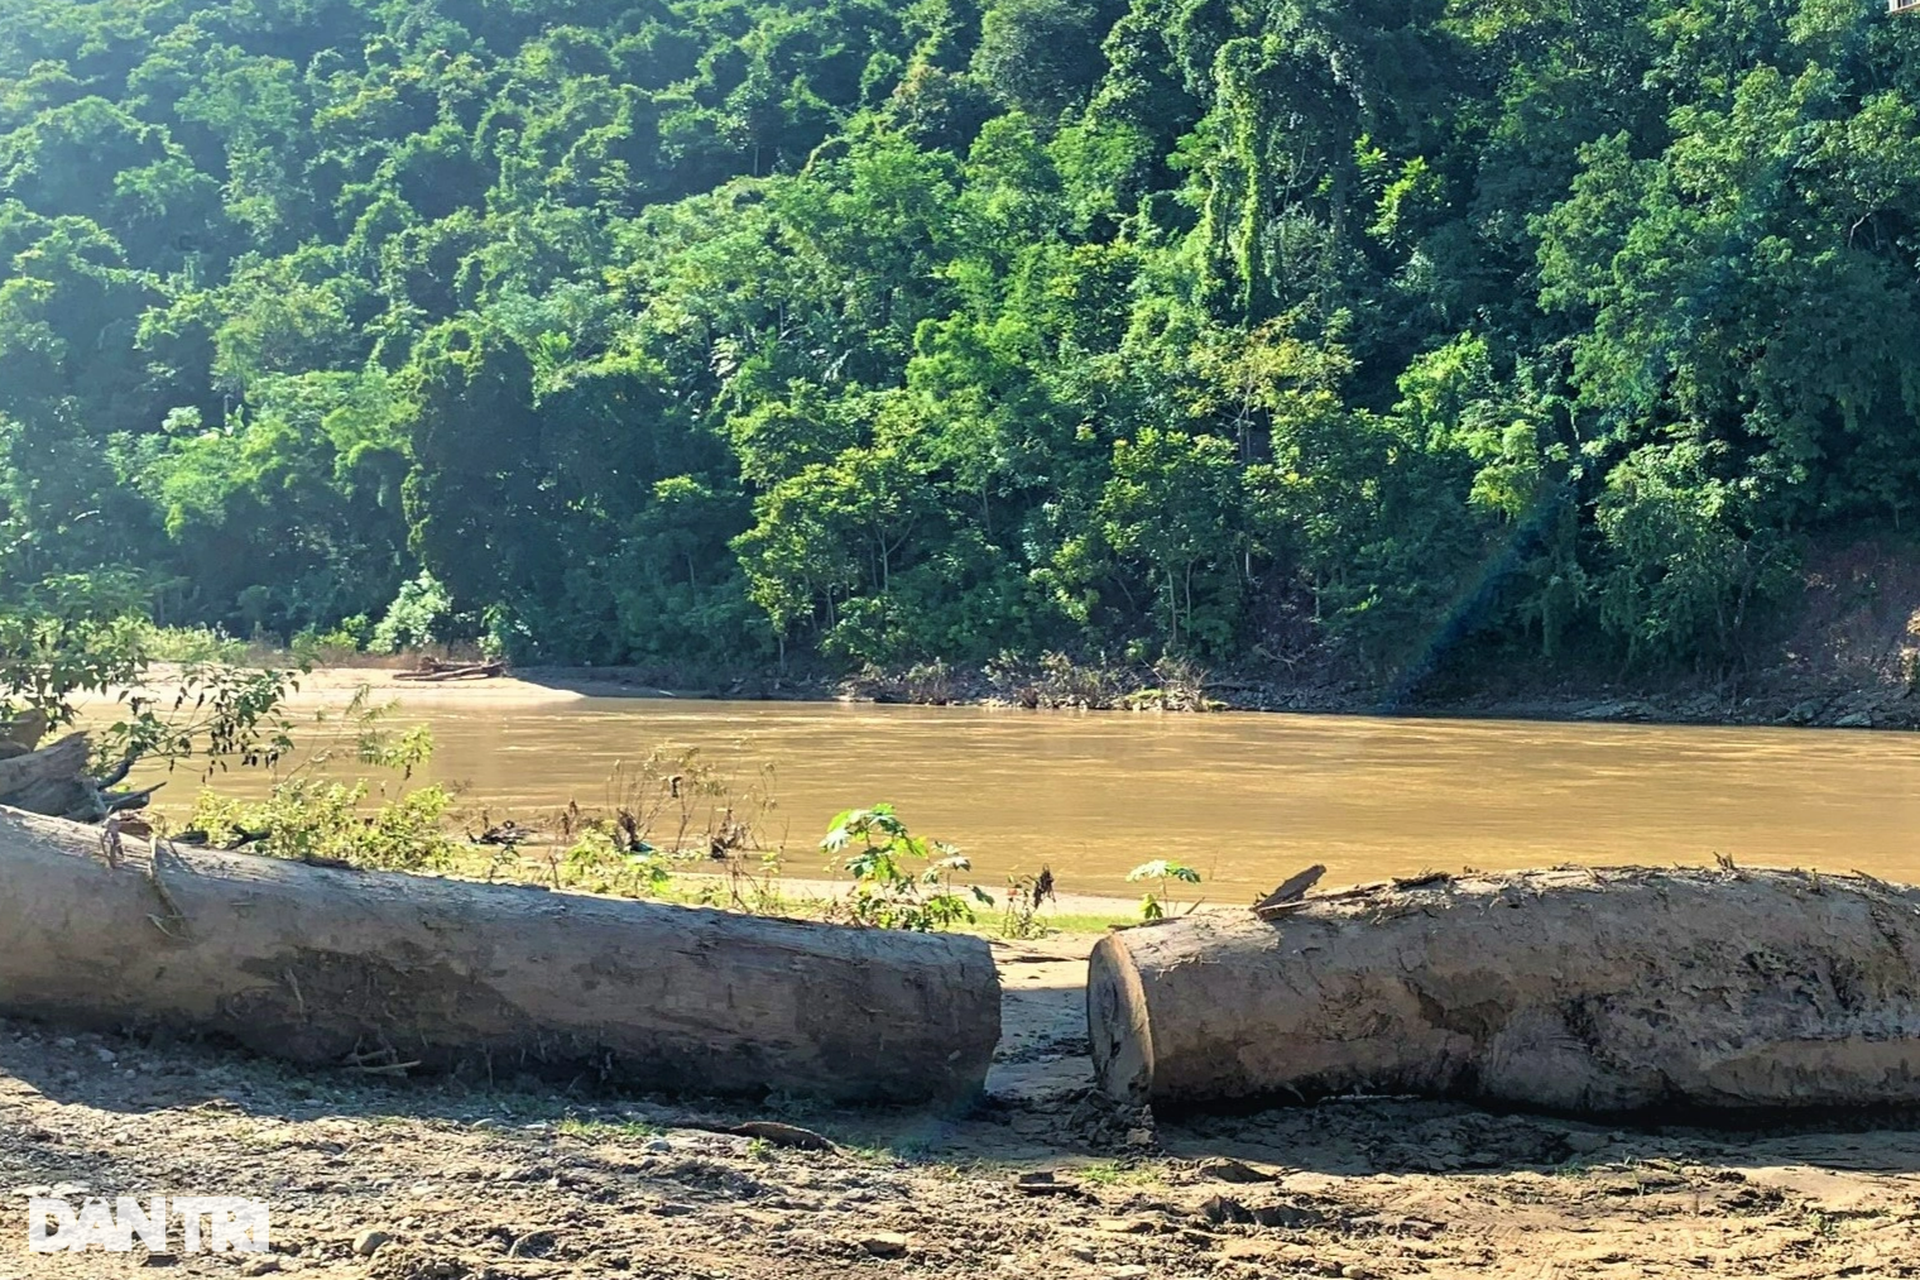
210 1224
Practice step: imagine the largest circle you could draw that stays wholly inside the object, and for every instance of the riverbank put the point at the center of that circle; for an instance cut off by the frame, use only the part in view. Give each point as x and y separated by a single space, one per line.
1791 698
1846 656
378 1179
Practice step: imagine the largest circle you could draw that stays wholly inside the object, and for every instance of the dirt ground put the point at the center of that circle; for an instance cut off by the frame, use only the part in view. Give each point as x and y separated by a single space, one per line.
517 1182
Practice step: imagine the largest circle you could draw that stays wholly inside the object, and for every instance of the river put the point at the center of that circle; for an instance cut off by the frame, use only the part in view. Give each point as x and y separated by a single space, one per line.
1246 799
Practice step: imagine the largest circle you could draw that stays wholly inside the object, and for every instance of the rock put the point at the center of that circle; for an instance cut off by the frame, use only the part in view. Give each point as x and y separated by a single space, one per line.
1133 1272
405 1264
659 1147
534 1244
1855 720
1219 1209
105 1055
1584 1142
1225 1170
884 1244
1084 1252
1123 1226
1042 1182
260 1266
784 1135
65 1042
1287 1215
368 1243
1804 712
159 1260
1139 1137
1626 709
526 1173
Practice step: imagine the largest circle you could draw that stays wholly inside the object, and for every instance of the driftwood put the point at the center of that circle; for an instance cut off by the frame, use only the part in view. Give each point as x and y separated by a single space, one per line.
433 669
53 781
21 732
1291 890
390 973
1604 990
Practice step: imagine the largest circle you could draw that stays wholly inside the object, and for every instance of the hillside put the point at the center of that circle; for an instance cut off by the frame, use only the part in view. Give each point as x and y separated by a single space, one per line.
1380 338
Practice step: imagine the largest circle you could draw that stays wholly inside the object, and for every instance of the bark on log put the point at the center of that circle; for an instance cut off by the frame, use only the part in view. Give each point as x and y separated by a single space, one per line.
52 781
1606 990
322 966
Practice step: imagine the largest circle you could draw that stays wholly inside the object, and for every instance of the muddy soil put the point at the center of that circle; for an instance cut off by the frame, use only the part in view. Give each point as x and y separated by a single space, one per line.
467 1181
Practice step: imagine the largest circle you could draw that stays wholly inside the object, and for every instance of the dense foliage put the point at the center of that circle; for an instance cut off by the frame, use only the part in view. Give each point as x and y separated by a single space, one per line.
726 331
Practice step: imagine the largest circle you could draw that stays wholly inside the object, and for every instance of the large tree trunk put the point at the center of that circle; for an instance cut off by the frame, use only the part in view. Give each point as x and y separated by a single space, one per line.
325 966
1602 990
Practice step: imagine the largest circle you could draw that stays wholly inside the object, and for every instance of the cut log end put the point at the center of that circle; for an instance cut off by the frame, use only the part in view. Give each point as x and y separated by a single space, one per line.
1118 1026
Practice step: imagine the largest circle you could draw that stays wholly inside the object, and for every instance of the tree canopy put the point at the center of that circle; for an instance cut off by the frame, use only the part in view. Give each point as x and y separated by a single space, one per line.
874 331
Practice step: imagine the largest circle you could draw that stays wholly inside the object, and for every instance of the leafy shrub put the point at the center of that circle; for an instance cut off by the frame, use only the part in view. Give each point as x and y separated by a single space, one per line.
339 644
204 645
314 820
888 893
602 862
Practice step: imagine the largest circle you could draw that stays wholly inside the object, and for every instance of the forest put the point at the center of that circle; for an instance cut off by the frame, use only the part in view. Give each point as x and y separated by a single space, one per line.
747 333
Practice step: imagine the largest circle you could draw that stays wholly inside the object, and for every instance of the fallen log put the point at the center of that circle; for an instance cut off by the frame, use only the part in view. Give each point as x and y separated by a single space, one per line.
1603 990
434 670
21 731
52 780
391 973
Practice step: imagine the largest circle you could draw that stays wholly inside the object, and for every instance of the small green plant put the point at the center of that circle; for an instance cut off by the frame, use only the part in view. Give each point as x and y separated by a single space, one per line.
602 861
888 893
1113 1173
1025 895
1158 902
596 1128
753 889
1819 1224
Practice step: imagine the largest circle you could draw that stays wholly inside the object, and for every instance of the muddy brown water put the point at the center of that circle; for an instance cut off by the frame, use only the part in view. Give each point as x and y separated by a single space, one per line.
1247 799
